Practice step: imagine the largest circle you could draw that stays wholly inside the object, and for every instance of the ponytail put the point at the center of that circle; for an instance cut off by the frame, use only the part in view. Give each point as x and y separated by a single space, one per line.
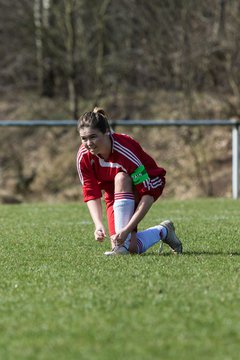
98 110
96 119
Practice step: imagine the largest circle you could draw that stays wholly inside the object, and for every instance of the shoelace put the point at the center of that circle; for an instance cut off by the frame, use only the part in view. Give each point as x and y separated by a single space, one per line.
160 247
119 246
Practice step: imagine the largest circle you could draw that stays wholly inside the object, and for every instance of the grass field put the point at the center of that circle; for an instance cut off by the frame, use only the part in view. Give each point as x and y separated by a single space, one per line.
61 298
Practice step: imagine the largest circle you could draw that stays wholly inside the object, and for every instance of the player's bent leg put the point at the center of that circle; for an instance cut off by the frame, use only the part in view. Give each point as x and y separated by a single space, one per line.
122 183
123 209
124 203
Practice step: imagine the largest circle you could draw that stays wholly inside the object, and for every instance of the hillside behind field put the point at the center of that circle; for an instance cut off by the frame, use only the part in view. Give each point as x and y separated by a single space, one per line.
136 59
38 163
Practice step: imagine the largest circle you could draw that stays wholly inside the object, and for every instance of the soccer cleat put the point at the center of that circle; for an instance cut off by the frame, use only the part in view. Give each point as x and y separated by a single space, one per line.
118 250
171 238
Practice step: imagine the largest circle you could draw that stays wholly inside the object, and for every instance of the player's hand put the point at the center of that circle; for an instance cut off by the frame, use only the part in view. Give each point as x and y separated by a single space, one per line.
119 238
99 234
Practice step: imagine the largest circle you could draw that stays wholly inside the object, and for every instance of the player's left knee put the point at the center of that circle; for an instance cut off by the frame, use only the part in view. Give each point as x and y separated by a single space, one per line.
123 182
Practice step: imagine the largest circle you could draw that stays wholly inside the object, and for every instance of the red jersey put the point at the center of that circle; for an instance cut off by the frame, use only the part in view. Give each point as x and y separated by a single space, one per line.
127 155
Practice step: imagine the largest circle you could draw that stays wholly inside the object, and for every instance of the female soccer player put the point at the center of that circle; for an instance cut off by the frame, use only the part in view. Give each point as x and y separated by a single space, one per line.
131 181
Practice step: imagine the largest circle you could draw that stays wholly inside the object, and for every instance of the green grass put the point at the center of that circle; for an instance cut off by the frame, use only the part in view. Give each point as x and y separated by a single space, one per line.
61 298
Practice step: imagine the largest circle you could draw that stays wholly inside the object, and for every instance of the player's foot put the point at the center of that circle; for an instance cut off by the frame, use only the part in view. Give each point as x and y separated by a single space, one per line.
118 250
171 238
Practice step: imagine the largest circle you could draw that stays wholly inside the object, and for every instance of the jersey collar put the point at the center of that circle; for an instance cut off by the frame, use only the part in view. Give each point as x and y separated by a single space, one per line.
112 139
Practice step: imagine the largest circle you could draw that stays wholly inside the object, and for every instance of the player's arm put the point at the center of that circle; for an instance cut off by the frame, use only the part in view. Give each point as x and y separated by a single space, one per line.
91 194
142 209
95 209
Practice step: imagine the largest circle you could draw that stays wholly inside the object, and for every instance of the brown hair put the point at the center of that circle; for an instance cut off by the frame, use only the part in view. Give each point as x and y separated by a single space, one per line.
96 119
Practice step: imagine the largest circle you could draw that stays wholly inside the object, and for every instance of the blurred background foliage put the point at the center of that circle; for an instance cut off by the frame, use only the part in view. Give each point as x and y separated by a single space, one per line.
138 59
83 49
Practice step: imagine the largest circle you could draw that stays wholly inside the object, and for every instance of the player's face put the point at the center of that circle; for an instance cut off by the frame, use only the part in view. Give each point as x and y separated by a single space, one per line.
94 140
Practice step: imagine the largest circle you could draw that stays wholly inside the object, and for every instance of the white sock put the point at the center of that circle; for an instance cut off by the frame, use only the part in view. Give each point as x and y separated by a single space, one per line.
150 237
124 206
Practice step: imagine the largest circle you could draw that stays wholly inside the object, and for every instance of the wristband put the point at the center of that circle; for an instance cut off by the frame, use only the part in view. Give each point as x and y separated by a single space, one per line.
139 175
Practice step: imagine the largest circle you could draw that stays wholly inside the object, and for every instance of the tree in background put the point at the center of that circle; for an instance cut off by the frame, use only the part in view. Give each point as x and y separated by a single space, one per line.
88 49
